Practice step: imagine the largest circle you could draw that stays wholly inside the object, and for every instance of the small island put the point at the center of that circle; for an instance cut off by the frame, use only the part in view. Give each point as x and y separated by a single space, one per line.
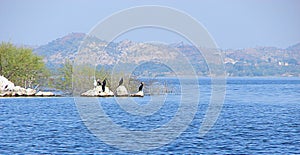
101 90
21 72
9 89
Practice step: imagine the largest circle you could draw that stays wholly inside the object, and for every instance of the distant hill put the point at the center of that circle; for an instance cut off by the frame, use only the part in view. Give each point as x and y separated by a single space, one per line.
56 51
259 61
295 47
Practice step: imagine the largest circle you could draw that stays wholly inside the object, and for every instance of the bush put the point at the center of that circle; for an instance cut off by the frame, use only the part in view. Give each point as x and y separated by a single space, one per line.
21 66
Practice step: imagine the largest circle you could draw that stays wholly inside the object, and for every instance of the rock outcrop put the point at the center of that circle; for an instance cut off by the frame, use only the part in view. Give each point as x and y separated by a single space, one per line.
46 94
121 91
8 89
97 91
138 94
6 85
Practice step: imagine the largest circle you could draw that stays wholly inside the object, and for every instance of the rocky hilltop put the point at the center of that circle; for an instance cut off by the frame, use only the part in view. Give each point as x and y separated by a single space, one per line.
257 61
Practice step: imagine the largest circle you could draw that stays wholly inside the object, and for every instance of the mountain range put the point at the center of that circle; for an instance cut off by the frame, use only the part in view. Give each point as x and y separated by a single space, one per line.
256 61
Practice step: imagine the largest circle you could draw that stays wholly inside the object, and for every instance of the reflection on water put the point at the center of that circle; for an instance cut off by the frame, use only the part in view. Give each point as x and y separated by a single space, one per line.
258 116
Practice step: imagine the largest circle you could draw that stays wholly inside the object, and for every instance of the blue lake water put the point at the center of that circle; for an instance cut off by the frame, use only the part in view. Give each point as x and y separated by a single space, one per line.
259 115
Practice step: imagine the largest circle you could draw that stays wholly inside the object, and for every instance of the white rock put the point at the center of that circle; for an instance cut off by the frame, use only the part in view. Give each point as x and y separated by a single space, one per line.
91 93
107 93
138 94
98 89
8 88
40 93
107 90
7 93
17 88
98 92
48 94
5 84
121 91
30 92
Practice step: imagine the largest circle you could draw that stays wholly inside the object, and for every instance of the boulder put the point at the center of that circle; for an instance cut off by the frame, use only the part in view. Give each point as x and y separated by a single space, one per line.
4 94
5 84
30 92
106 94
121 91
91 93
138 94
19 91
46 94
98 92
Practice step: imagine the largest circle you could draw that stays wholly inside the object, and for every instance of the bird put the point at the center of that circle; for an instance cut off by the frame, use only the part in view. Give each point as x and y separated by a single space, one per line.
95 83
103 85
141 86
98 82
121 82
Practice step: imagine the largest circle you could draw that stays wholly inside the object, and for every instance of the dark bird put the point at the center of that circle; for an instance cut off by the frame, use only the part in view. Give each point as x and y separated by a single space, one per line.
103 85
141 86
121 82
98 82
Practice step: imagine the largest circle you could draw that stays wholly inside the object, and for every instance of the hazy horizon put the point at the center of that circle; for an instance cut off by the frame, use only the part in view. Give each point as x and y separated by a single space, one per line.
125 37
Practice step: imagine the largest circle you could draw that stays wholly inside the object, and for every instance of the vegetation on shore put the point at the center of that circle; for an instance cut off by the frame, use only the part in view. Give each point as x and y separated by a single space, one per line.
82 78
51 65
21 66
24 68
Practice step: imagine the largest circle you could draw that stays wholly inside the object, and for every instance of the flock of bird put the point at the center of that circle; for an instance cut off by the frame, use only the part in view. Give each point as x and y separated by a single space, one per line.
103 84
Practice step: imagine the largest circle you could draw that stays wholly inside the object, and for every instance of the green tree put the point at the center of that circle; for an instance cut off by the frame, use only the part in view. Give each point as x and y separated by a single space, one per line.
76 79
21 66
83 77
65 78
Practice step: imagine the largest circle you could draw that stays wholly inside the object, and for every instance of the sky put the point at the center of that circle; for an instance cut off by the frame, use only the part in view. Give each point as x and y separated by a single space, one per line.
232 23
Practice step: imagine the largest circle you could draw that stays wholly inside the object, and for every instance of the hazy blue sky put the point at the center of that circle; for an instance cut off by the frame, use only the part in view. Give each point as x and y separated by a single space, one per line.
232 23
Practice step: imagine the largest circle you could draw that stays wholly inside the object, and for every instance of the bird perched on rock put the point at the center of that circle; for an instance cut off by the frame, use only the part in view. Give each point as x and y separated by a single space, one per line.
141 86
140 93
121 82
98 82
103 85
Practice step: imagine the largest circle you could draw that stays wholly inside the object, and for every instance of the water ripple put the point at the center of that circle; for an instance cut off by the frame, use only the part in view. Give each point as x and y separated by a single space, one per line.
258 118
